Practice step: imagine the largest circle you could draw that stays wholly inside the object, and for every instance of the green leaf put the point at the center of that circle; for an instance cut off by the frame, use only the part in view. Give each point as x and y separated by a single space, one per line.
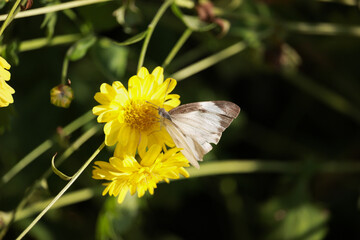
63 176
2 3
293 216
115 219
111 58
192 22
303 221
80 48
11 52
49 22
138 37
195 24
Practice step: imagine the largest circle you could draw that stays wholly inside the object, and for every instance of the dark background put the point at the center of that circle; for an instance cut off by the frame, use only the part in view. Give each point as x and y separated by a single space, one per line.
304 111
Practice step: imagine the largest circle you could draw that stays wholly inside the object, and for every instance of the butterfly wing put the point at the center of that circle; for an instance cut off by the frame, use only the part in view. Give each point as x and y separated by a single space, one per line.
194 126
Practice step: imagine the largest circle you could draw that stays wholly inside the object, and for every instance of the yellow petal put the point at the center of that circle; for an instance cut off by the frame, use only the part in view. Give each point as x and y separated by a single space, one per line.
111 130
134 87
4 74
132 189
173 103
7 87
158 73
117 85
184 172
120 151
124 134
165 88
102 98
122 194
133 142
4 63
107 89
142 145
141 191
142 73
3 103
108 116
97 110
6 97
148 86
151 155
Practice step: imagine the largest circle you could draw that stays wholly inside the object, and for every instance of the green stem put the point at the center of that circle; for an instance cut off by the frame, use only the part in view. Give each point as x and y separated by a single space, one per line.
268 166
177 47
67 186
77 123
329 29
151 28
10 16
345 2
64 69
44 42
68 199
54 8
29 193
71 149
210 169
26 161
209 61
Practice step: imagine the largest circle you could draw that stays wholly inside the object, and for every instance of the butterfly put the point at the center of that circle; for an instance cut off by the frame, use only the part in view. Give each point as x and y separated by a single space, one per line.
194 126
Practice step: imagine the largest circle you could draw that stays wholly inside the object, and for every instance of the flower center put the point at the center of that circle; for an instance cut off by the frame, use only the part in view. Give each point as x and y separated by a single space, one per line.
141 115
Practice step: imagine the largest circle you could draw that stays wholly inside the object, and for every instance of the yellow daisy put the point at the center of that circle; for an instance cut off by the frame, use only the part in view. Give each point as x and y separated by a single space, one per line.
5 90
126 174
131 116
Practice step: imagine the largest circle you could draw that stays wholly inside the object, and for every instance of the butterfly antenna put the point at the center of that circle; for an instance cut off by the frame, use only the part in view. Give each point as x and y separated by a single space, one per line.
153 104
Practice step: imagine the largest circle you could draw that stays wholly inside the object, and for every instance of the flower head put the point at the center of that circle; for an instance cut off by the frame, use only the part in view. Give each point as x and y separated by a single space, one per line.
61 95
5 90
126 174
131 116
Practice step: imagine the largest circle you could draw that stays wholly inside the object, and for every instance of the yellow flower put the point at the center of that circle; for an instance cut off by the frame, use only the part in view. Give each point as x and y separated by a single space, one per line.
126 174
131 116
5 90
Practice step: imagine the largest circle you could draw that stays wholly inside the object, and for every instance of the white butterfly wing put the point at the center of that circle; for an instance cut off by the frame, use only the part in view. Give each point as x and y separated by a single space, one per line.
194 126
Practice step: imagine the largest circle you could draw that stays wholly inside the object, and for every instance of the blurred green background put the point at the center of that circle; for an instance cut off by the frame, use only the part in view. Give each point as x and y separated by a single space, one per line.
296 81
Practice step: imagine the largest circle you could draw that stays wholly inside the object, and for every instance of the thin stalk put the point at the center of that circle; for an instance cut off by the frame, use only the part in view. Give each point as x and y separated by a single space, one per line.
68 199
57 197
71 149
345 2
151 28
269 166
221 167
46 42
54 8
177 47
64 69
26 161
9 17
209 61
79 122
328 29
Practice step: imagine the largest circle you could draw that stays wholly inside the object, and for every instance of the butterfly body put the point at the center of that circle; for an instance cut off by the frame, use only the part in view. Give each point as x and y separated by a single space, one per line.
194 126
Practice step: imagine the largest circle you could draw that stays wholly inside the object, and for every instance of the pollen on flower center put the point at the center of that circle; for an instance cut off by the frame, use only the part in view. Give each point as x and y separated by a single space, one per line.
141 115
